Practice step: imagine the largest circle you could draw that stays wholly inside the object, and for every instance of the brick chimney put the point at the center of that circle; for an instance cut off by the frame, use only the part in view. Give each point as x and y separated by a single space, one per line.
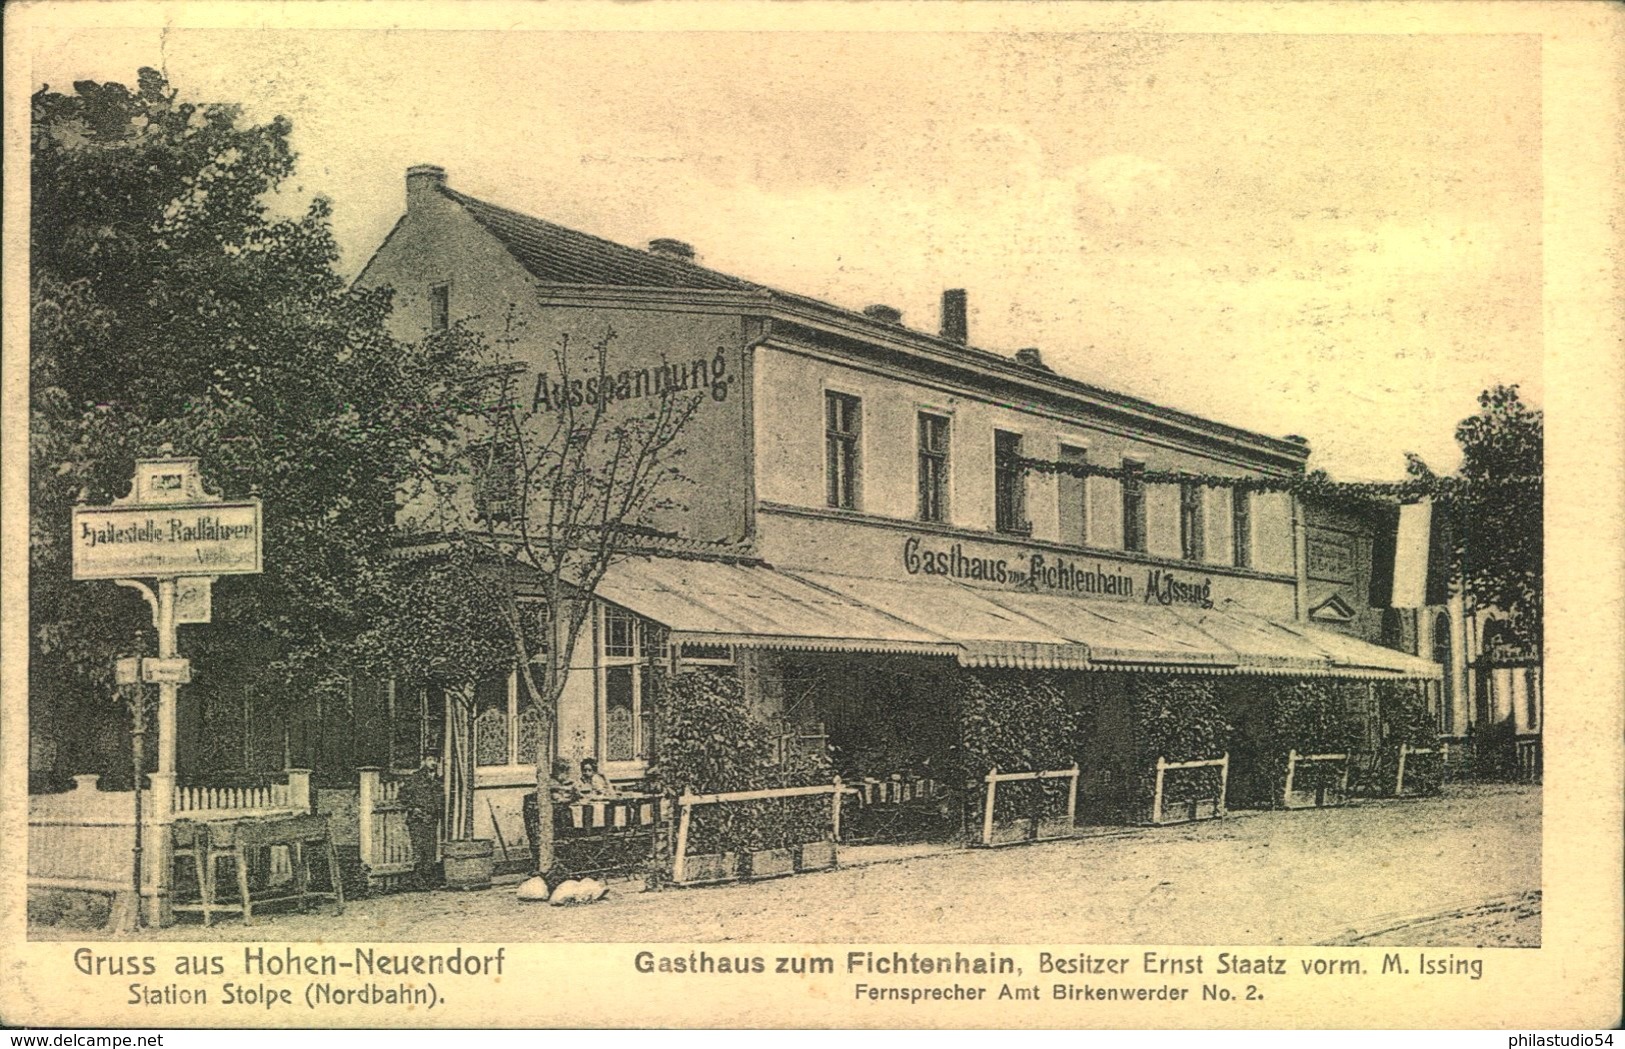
672 248
1029 356
954 325
422 182
884 314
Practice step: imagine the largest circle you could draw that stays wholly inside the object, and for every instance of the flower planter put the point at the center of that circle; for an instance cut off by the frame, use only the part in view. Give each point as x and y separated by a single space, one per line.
770 863
816 856
467 864
708 867
1055 827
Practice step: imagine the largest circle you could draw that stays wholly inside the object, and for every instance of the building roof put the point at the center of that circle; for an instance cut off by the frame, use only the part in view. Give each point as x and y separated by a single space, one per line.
559 255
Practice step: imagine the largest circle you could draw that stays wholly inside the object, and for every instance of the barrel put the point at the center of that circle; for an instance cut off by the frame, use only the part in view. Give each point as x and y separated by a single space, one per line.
467 863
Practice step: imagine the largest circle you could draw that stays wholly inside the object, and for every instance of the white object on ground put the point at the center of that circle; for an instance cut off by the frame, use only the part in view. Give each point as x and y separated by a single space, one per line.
533 890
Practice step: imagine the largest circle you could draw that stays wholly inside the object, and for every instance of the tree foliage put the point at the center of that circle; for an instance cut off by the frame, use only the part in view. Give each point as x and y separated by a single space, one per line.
1498 526
174 313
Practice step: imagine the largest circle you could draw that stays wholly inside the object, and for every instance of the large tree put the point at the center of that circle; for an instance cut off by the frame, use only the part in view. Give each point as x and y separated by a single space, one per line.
174 313
1498 508
533 508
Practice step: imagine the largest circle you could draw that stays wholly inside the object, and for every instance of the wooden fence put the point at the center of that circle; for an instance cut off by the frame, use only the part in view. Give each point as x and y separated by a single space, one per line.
382 834
1405 752
680 868
1036 827
1320 794
85 839
1206 807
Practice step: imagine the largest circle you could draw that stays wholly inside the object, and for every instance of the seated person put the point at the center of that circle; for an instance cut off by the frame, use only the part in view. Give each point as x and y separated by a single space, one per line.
561 788
592 781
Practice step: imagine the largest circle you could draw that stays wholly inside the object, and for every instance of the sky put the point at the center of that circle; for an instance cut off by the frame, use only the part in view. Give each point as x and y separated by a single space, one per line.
1331 236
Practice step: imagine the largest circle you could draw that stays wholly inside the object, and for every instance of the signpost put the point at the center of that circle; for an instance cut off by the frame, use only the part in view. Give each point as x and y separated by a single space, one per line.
169 540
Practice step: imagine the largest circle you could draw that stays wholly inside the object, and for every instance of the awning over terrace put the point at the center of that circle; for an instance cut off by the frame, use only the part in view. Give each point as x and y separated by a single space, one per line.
709 602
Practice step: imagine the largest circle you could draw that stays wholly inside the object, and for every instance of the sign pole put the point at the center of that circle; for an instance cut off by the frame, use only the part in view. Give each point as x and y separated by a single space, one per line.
138 761
171 531
168 691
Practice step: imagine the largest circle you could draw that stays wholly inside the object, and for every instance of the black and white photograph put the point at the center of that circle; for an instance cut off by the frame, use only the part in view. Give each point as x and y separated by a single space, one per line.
1022 510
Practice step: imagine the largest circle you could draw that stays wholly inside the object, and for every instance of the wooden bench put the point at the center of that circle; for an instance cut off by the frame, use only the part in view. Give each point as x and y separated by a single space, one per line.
898 808
608 835
206 844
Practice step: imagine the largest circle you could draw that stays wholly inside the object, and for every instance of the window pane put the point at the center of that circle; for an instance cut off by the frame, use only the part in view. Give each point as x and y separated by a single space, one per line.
1133 507
933 467
841 422
620 732
1241 526
1190 522
491 721
1010 483
619 634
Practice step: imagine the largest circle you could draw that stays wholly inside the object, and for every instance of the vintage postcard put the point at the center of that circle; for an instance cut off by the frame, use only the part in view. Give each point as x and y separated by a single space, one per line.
864 515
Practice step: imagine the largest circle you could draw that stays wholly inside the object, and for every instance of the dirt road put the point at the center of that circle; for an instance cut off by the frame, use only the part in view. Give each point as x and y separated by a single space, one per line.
1457 870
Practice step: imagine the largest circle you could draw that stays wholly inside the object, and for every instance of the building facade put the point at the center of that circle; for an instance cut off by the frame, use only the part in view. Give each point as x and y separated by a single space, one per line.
855 522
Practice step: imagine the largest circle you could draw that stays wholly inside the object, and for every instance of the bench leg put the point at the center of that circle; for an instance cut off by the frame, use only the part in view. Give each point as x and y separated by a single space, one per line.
301 874
333 875
242 884
205 890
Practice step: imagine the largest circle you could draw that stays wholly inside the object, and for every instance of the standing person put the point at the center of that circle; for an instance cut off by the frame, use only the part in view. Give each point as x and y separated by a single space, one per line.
423 797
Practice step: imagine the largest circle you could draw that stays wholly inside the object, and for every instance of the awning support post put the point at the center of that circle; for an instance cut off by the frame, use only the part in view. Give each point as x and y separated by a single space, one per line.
686 807
987 809
1072 797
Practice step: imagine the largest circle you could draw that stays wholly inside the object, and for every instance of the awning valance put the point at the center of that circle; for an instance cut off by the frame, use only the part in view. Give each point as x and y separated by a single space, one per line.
709 602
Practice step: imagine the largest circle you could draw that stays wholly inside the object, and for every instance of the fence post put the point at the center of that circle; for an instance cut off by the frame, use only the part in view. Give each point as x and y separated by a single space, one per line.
1224 784
366 801
684 808
299 789
1156 794
835 812
1072 798
1291 767
987 809
1399 779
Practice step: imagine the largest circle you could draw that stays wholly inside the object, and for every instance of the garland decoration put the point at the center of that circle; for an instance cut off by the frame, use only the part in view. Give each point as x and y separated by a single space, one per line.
1314 484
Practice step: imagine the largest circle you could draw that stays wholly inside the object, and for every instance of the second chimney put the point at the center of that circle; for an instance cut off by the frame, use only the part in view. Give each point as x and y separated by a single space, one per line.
672 248
954 327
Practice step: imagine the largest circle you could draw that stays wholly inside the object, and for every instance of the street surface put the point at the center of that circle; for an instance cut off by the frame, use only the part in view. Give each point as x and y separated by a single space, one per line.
1459 870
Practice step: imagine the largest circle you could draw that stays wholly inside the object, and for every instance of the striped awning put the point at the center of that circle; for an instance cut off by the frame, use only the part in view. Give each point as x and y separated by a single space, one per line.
754 606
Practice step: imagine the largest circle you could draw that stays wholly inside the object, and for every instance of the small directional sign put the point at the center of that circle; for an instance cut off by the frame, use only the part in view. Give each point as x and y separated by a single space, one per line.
127 671
177 671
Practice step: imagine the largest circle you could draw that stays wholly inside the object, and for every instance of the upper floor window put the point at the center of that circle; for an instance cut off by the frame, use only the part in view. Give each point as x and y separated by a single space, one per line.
1241 526
1009 484
933 467
842 430
439 307
1073 496
1190 522
1133 507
